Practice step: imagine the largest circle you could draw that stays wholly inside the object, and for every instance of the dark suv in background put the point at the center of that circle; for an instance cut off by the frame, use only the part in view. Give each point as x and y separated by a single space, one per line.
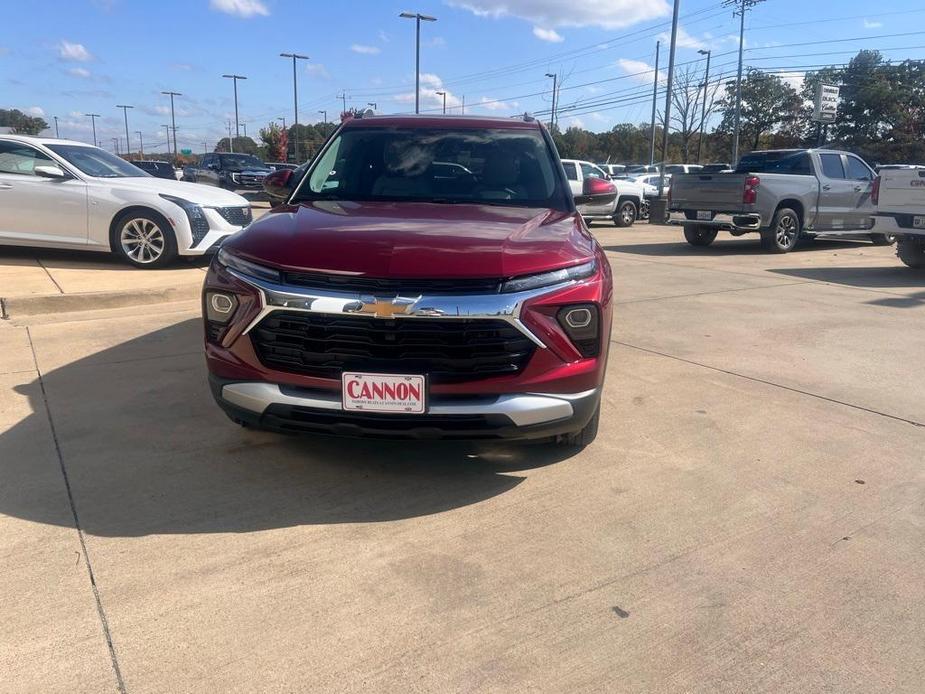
227 170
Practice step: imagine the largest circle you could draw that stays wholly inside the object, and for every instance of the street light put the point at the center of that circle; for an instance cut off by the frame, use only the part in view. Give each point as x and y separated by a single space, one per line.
173 123
93 117
372 104
324 114
443 94
141 144
281 118
128 146
418 18
57 134
115 145
237 125
555 80
295 98
703 110
166 128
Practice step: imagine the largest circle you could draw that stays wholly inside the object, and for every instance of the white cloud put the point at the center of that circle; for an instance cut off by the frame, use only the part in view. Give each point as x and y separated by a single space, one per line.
437 42
574 122
490 104
79 72
73 51
430 85
35 111
383 36
550 35
640 71
365 50
317 70
240 8
794 79
431 79
186 67
606 14
684 40
872 25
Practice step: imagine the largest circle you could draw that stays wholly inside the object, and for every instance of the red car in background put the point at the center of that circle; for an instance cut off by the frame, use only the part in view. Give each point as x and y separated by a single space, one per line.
429 277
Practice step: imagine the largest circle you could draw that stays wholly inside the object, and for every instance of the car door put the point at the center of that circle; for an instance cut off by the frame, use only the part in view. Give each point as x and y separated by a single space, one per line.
574 180
38 210
862 176
205 173
836 194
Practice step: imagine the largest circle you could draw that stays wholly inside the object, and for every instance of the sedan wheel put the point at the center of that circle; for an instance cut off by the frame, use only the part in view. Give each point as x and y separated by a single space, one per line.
142 241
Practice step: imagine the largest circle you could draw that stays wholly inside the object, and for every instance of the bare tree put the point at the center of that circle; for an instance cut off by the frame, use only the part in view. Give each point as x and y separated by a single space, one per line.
688 115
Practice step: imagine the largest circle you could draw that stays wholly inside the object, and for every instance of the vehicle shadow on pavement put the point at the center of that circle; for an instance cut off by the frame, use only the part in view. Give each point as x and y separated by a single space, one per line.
747 245
54 258
147 451
884 278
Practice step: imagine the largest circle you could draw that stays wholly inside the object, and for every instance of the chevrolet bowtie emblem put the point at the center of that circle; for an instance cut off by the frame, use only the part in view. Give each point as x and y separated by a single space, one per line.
387 308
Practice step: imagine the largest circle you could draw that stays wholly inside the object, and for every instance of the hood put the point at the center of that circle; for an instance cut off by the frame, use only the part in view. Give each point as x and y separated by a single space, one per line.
256 170
425 240
194 192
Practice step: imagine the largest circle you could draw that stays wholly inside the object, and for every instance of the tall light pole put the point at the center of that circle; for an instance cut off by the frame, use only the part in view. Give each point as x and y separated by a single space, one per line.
115 145
658 45
443 94
373 105
703 108
324 114
235 78
418 18
128 142
283 120
141 144
93 117
671 52
555 82
343 97
57 134
295 99
173 124
166 128
740 7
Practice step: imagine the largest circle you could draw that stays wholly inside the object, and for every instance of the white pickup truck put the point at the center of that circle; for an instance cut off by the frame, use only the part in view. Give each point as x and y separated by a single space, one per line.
899 195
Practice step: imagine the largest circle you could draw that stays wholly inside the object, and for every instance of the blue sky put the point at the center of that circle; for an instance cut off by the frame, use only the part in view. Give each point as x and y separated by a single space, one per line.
83 56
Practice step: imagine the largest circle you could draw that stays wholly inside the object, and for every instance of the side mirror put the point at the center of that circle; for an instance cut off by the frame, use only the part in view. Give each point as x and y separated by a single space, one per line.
49 172
278 184
596 191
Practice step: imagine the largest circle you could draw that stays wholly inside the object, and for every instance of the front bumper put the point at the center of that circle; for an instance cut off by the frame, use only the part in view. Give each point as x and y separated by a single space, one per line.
507 416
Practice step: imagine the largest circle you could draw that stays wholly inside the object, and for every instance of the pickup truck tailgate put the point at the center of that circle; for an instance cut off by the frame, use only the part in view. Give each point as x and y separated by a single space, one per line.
720 191
902 191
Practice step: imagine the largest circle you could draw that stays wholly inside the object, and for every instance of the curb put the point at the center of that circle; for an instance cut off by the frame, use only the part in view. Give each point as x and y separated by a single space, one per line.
92 301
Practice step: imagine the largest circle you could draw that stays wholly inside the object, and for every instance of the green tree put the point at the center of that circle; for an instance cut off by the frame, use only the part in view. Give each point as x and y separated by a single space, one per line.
768 105
244 145
276 140
21 123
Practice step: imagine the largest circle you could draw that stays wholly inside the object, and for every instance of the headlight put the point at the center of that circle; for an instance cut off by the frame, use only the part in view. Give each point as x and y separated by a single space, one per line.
545 279
246 267
199 225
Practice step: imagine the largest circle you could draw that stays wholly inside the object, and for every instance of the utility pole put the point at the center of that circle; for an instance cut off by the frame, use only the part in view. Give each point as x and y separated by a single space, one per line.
57 134
555 82
295 98
128 145
741 6
141 144
418 18
283 119
671 52
205 147
166 128
343 97
464 104
115 145
93 117
244 123
230 140
443 94
237 124
658 45
324 114
703 108
173 124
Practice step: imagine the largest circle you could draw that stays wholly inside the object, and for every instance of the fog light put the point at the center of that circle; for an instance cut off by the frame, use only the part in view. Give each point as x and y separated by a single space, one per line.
220 306
578 318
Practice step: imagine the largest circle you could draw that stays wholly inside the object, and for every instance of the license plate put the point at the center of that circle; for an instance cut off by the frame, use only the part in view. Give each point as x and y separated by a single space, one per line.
918 222
383 393
704 215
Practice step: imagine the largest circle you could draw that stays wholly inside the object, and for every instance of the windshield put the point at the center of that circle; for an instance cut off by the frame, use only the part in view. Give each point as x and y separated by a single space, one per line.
775 162
241 161
97 162
502 166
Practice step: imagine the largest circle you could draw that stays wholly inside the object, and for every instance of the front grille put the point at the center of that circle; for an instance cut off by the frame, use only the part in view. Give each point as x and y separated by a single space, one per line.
443 349
253 180
236 216
405 287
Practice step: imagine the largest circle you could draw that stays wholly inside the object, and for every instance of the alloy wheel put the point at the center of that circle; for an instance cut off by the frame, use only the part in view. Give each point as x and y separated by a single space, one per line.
142 240
786 232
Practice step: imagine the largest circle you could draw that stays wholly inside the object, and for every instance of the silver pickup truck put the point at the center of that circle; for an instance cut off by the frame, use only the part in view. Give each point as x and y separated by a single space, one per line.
782 195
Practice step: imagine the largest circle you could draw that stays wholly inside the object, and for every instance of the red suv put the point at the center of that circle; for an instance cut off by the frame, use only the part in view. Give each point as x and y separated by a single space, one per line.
429 277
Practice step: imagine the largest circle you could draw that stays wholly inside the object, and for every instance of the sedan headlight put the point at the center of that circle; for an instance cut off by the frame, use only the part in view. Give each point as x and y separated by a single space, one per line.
199 224
545 279
246 267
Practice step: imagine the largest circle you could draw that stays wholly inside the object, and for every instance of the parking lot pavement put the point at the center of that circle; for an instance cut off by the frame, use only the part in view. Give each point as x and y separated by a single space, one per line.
749 520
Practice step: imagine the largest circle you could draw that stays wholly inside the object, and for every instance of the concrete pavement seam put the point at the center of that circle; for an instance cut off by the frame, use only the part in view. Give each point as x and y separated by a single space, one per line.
53 280
771 383
718 291
120 684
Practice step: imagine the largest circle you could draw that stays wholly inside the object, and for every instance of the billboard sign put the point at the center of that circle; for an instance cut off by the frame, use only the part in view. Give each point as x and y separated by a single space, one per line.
826 104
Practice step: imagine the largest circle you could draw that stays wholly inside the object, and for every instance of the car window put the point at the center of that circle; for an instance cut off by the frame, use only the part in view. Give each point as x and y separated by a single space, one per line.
588 171
571 172
18 158
786 162
674 168
857 170
832 166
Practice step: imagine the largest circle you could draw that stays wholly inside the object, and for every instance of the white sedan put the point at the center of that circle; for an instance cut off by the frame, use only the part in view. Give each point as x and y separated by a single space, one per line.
63 194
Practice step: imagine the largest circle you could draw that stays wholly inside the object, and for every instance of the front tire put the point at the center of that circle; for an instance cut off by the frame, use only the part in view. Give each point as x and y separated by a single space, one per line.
586 436
912 253
144 239
625 214
699 236
784 232
883 239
